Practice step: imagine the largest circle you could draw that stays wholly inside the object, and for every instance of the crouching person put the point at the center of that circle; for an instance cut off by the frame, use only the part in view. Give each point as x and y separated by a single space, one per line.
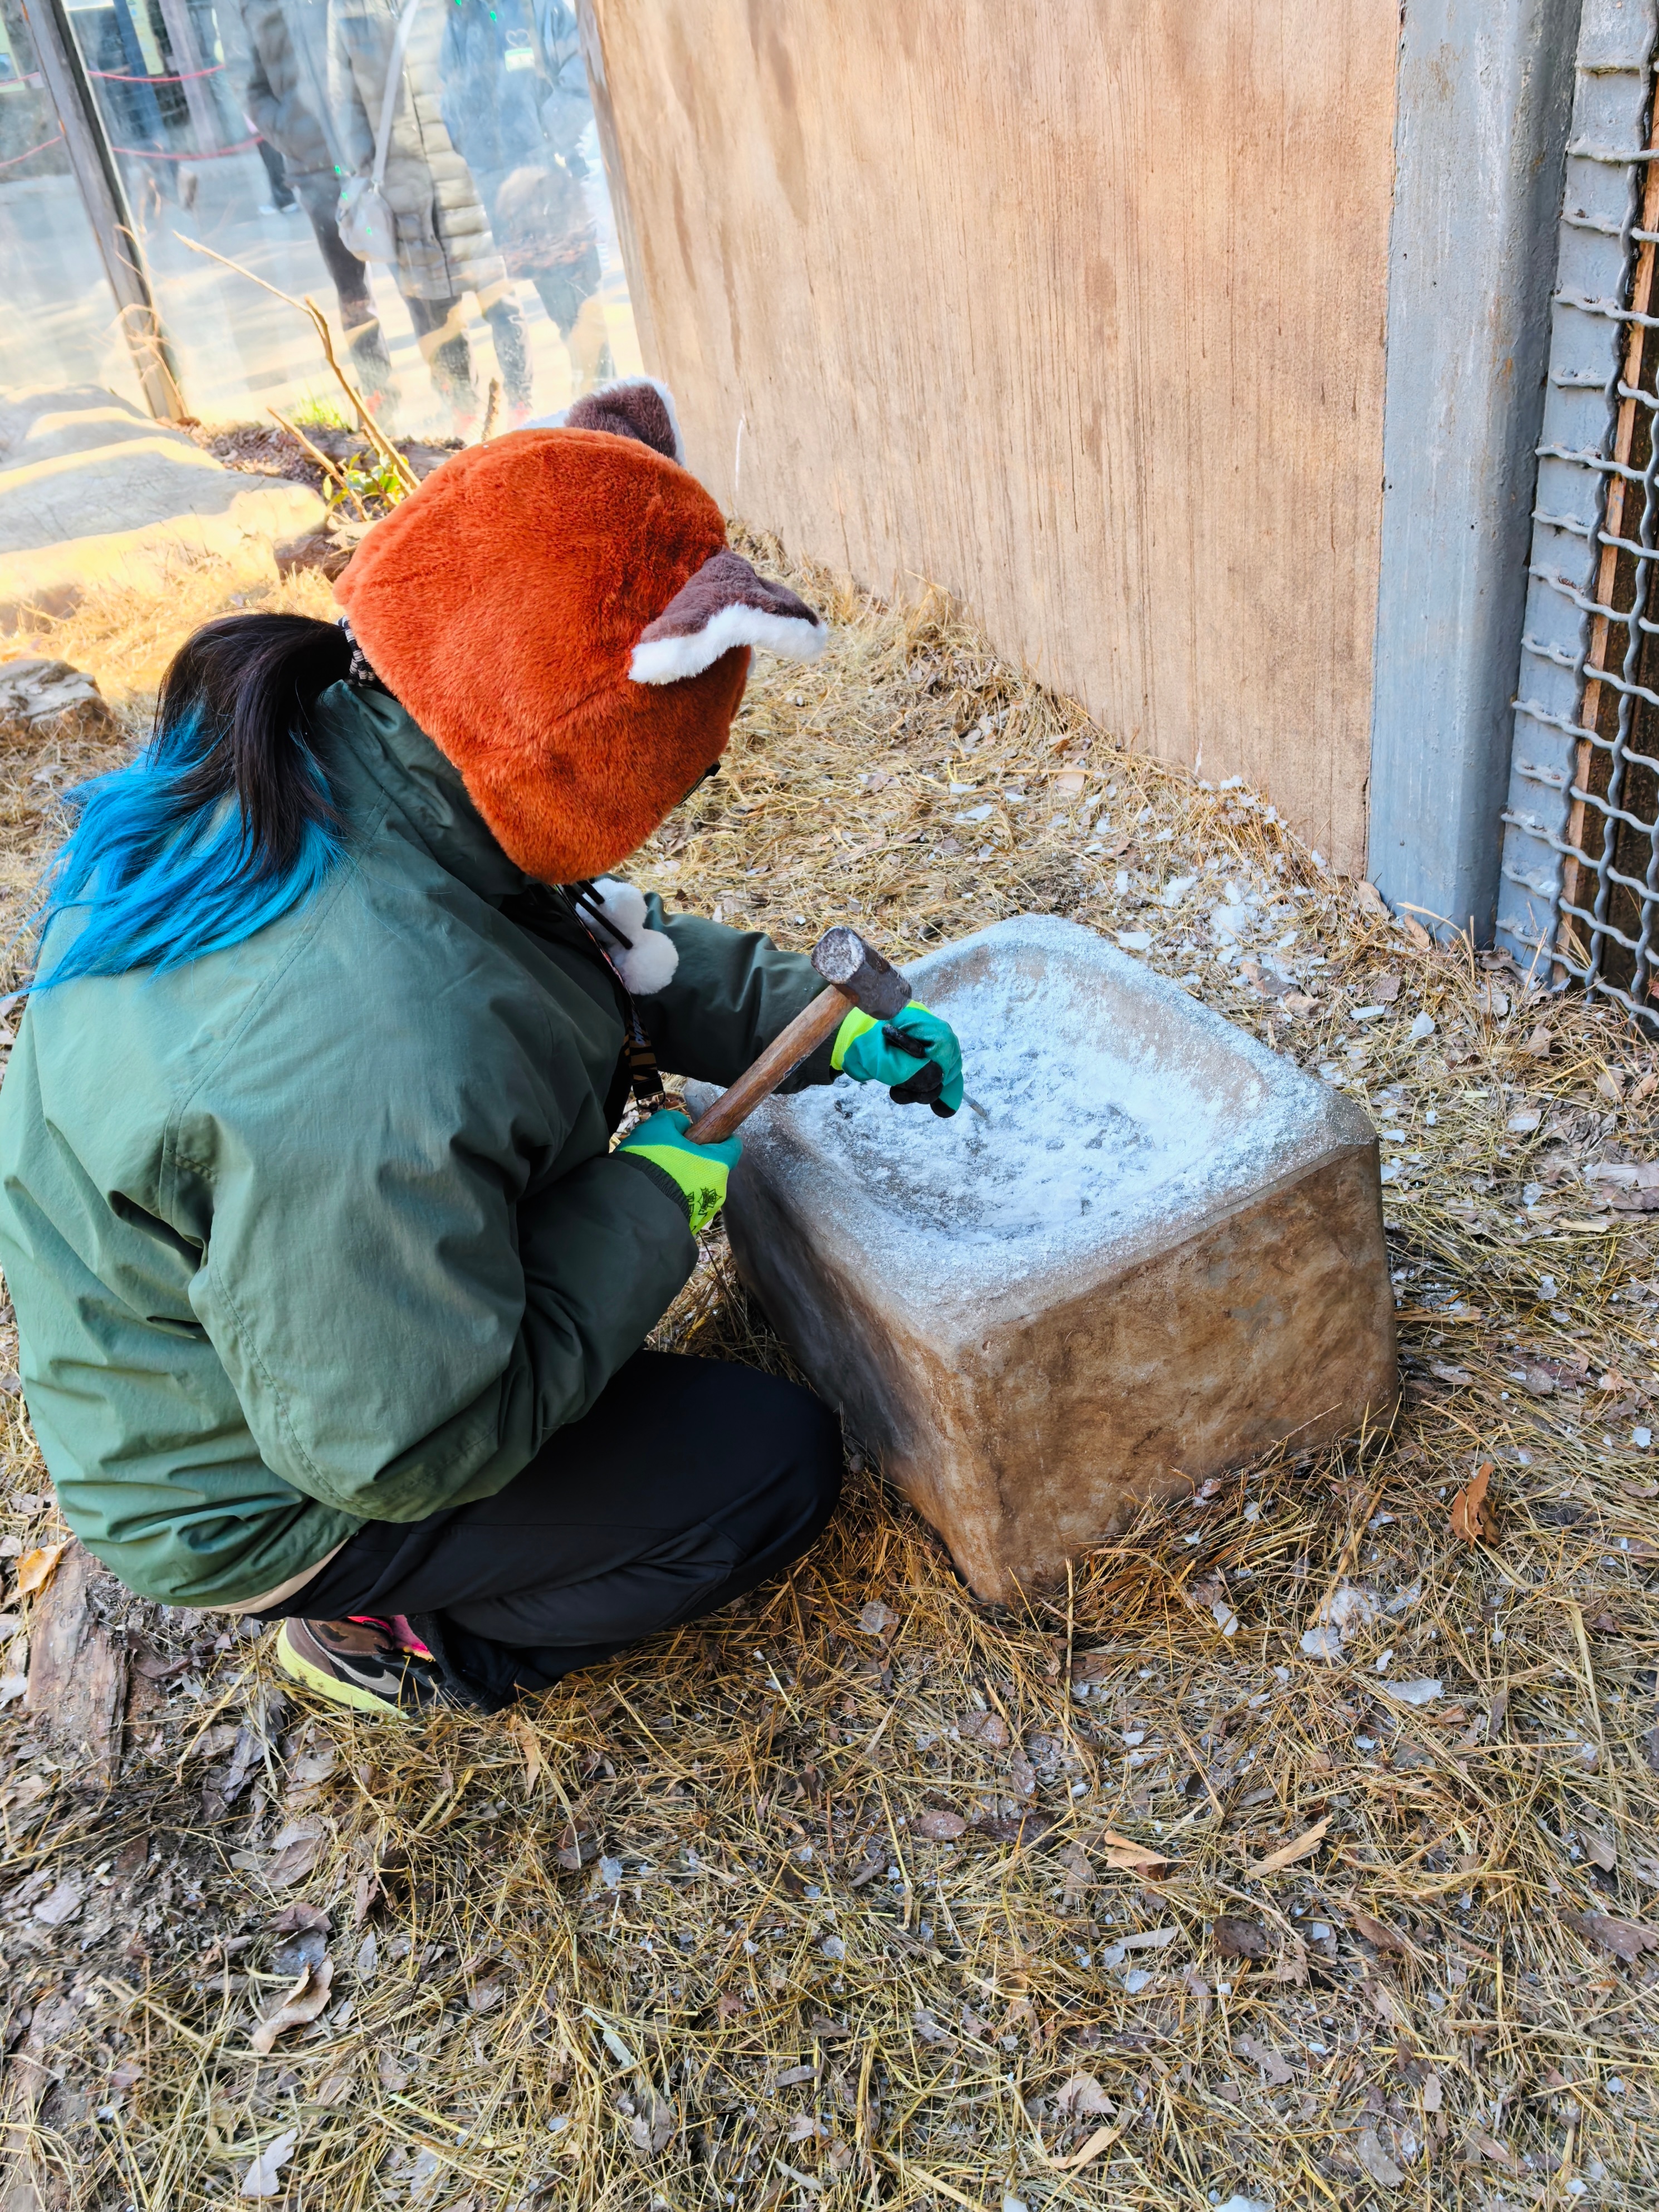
332 1289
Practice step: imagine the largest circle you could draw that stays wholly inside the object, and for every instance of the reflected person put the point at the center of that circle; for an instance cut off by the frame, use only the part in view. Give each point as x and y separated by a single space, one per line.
286 99
442 240
516 103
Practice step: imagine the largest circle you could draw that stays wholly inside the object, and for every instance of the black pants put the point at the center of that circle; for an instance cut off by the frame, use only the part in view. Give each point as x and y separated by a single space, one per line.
687 1483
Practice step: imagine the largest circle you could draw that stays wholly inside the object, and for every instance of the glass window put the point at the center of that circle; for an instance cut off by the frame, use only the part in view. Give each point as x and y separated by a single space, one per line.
238 124
59 326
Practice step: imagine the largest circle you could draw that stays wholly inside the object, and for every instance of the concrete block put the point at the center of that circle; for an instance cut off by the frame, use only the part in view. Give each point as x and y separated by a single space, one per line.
1162 1256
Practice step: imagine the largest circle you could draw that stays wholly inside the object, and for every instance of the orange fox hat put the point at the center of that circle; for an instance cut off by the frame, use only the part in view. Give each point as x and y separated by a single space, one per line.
560 612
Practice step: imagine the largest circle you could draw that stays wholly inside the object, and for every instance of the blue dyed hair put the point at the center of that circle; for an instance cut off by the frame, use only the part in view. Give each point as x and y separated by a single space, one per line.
224 821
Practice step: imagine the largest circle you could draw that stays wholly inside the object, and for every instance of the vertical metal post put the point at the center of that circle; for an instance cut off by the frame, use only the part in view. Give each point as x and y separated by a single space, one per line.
1485 100
93 163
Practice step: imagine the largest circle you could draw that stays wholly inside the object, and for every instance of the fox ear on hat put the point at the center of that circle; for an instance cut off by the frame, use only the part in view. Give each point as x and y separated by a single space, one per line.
640 408
725 604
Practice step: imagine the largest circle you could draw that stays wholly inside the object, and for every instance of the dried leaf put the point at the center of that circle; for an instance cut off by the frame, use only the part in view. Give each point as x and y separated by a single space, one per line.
1473 1513
1489 2147
36 1569
1242 1939
654 2121
290 1917
1303 1847
295 1851
297 2008
62 1903
523 1734
988 1728
1264 2055
1079 1874
729 2005
1102 2139
1625 1939
1124 1853
1376 2161
573 1847
262 2177
1082 2098
1377 1933
1423 1691
939 1827
1600 1849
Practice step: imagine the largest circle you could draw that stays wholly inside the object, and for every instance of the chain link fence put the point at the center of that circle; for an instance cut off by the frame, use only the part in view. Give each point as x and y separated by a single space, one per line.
1579 898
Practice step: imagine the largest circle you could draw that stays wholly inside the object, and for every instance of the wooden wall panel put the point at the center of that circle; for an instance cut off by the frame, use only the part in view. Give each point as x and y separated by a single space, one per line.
1076 309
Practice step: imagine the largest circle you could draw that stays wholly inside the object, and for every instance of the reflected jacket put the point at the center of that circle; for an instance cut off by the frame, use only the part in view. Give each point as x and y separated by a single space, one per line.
326 1228
440 234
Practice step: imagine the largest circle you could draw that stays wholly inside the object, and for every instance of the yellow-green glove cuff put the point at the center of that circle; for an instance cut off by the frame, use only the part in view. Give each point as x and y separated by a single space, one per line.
854 1026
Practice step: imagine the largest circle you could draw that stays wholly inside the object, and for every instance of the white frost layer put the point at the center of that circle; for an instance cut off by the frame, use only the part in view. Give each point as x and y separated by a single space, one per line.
1078 1140
1121 1113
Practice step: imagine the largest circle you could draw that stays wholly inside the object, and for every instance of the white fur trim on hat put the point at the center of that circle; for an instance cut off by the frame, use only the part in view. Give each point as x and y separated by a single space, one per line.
646 965
671 660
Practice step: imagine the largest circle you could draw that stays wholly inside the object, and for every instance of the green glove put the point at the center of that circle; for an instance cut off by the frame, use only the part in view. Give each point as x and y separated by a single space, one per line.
875 1052
701 1170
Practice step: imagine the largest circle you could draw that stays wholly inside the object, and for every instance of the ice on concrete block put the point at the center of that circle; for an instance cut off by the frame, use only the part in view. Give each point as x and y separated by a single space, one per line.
1160 1254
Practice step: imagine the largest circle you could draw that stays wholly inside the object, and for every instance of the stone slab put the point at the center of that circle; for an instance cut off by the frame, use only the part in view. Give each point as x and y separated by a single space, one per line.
1161 1257
92 491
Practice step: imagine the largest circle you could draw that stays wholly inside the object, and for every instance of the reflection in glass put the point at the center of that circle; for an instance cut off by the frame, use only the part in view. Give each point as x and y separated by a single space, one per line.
237 122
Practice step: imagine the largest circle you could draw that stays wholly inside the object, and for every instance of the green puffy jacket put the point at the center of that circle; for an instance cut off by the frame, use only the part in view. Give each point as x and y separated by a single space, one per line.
327 1228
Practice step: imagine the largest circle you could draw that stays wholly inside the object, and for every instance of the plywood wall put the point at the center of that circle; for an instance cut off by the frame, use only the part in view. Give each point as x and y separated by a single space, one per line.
1075 308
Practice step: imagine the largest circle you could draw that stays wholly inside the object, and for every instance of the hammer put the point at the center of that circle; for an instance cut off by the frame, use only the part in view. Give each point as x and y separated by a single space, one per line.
857 976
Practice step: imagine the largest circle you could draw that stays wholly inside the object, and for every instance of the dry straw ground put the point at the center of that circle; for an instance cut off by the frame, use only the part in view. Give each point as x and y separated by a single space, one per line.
1300 1853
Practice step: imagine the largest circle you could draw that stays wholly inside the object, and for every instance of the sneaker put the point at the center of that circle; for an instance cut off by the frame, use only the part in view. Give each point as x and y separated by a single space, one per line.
360 1663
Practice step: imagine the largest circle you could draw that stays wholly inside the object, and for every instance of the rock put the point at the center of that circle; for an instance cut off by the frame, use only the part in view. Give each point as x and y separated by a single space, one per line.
1162 1256
49 699
92 491
77 1682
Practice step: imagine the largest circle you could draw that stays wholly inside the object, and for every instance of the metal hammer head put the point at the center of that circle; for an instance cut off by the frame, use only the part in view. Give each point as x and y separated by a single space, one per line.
872 983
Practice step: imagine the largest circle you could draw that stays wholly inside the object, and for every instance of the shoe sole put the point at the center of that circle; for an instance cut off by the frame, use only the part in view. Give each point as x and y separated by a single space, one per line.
302 1669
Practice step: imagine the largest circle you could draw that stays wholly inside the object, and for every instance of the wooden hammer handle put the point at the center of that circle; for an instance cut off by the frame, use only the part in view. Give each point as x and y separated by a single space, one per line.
786 1050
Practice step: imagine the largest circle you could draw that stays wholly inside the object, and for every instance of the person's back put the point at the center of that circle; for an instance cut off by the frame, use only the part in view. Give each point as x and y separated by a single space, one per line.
332 1290
324 1071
